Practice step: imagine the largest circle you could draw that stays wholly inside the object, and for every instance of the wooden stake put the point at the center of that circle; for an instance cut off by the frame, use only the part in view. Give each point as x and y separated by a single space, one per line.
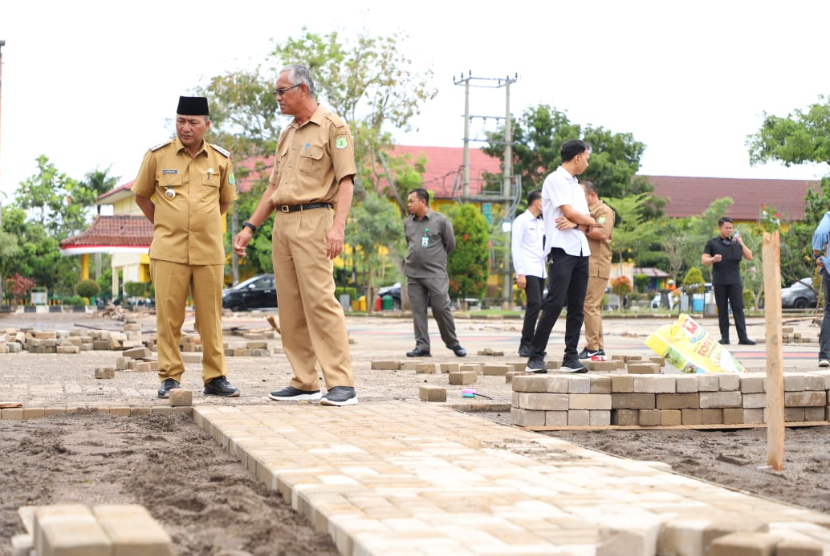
775 351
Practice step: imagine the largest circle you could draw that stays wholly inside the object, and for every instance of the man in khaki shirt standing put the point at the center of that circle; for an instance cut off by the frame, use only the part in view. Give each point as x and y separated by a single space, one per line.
599 270
311 190
183 187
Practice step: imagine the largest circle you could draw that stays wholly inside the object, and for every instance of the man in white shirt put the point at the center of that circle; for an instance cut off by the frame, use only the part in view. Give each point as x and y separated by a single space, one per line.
529 263
567 221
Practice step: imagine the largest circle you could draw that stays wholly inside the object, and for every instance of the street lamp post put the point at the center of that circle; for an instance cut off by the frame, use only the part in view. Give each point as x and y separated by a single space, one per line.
2 44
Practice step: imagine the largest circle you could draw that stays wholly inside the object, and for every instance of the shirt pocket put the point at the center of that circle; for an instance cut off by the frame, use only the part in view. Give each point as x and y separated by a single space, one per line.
211 180
311 161
169 186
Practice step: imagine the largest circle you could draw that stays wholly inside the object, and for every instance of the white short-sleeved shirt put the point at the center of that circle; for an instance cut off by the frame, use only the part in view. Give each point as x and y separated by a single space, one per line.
527 248
561 188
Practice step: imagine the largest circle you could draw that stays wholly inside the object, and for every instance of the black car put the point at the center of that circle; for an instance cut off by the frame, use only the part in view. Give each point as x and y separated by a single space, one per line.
254 293
395 292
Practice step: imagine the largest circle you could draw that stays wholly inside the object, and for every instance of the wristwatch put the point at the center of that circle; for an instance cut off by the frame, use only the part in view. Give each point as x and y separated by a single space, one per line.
250 227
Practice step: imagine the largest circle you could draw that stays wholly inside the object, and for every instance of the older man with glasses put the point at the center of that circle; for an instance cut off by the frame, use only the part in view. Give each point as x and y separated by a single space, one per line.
310 189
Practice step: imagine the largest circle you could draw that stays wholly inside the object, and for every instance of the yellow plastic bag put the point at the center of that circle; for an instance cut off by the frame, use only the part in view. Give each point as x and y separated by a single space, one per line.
687 346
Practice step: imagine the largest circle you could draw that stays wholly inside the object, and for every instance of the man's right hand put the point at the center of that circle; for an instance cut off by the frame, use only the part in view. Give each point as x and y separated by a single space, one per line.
717 258
241 241
521 281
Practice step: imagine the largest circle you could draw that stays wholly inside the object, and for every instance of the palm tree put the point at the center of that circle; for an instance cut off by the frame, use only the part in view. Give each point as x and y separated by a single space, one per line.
99 182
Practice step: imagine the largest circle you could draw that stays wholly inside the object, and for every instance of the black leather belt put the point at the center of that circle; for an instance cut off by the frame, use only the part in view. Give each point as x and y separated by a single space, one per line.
307 206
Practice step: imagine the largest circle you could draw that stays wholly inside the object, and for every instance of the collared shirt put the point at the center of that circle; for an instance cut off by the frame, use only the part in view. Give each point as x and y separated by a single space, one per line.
312 159
728 270
600 262
526 245
187 192
430 239
561 188
821 240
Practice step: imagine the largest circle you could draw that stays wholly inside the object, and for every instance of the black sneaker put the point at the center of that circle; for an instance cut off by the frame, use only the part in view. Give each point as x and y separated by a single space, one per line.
536 366
459 351
166 386
291 394
724 342
588 353
339 395
525 351
573 366
747 342
220 386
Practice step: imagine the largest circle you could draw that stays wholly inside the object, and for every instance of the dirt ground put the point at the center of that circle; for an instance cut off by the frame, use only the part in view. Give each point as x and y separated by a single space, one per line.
205 499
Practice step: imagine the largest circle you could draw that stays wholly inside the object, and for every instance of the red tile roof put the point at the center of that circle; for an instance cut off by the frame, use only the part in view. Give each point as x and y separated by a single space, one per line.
113 231
691 196
107 198
444 167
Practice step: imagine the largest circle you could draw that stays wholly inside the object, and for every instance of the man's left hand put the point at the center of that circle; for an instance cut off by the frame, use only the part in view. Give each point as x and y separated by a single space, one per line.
563 223
334 241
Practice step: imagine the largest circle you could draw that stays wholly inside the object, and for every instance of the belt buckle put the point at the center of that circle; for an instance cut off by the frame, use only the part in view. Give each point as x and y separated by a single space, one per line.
285 208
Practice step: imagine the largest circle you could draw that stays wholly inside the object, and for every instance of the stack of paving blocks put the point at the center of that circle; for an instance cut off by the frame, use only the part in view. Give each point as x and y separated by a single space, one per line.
790 336
67 341
137 359
664 400
105 529
251 348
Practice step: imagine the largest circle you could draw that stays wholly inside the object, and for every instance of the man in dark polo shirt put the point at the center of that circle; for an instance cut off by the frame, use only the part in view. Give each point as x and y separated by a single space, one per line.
724 254
430 238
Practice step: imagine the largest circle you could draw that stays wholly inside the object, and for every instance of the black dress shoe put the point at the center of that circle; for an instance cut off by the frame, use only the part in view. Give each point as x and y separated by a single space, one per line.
747 342
459 351
166 386
418 352
723 342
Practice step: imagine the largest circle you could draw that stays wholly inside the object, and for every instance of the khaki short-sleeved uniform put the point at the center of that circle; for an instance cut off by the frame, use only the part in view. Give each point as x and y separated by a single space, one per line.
187 255
312 159
599 270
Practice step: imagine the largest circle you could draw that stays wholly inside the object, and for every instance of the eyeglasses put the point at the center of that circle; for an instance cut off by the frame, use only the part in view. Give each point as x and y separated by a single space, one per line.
281 92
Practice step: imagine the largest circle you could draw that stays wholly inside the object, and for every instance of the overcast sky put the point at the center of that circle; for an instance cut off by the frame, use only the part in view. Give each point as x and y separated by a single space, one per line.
92 83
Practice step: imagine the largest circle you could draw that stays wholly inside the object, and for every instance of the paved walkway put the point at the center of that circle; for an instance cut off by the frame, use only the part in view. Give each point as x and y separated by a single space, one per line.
412 478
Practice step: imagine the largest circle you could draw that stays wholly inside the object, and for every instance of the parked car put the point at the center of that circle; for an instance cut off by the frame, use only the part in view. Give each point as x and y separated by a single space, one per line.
395 291
254 293
800 295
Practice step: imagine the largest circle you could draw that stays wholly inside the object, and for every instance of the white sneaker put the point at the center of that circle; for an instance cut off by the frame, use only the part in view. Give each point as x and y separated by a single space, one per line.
823 363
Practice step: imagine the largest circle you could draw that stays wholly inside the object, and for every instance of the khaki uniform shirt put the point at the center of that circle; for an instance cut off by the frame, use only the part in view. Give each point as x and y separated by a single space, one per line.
312 159
599 264
187 192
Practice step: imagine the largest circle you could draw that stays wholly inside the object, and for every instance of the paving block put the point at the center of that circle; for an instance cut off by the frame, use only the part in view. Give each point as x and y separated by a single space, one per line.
543 402
528 418
463 377
728 382
452 367
496 370
589 401
11 414
579 384
33 412
625 417
794 414
642 369
670 417
754 401
143 367
137 353
622 535
121 363
744 544
474 367
432 393
805 399
578 417
101 345
664 384
192 357
602 366
814 413
644 384
733 416
686 384
600 384
794 383
599 418
425 369
678 401
104 372
719 399
692 535
529 383
633 401
660 361
181 397
68 529
553 364
753 416
708 383
556 418
711 416
558 384
815 382
799 547
133 531
649 417
622 384
385 365
68 350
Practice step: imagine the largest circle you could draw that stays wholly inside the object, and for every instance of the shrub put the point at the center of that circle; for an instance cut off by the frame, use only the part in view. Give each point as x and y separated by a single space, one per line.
87 288
641 282
137 289
75 300
694 282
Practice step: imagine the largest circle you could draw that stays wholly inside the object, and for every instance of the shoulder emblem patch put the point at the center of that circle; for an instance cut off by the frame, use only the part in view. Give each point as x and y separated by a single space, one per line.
220 150
231 178
601 220
160 145
341 142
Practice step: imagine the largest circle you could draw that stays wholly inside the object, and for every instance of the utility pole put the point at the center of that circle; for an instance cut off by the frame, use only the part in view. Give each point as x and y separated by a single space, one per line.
2 44
507 196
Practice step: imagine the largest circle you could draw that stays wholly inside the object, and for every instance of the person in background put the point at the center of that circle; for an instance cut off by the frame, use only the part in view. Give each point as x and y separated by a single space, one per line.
821 254
529 262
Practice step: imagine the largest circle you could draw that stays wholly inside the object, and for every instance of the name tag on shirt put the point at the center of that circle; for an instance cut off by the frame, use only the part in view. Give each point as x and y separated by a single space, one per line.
425 241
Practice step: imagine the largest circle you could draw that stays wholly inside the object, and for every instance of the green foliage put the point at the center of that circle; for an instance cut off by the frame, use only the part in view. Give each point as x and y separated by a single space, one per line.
351 292
795 139
621 286
468 265
75 301
641 282
693 281
632 230
538 135
87 288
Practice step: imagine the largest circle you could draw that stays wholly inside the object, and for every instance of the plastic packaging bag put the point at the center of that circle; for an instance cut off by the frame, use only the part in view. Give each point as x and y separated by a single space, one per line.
687 346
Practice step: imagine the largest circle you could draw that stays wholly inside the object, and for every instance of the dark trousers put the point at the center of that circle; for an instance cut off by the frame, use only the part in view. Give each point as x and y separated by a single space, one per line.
567 284
824 335
734 294
533 292
436 290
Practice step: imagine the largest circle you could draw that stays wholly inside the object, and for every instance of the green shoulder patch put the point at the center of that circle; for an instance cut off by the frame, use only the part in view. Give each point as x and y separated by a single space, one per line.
220 150
601 220
232 178
341 142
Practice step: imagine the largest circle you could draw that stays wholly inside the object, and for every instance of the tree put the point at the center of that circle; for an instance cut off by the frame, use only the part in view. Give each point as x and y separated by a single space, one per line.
693 283
631 229
97 182
538 135
468 265
621 286
87 288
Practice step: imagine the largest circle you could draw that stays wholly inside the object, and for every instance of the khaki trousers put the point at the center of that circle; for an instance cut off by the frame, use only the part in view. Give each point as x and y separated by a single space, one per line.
593 310
172 282
312 321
